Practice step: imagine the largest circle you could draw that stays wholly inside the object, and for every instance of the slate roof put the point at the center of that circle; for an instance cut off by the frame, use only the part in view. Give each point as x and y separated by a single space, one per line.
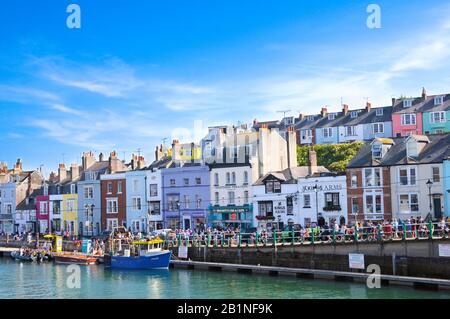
434 152
421 105
290 175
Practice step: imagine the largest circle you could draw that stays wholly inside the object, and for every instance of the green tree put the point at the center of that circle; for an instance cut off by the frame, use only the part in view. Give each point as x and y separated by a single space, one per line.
335 157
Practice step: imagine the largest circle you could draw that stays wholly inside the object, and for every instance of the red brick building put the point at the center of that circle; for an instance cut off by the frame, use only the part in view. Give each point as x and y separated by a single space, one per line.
113 201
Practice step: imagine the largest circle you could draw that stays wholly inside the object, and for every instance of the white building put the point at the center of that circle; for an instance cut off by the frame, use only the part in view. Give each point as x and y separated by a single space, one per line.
231 195
323 198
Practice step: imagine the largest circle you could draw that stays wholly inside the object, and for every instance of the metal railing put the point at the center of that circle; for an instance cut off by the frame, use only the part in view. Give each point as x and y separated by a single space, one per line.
314 236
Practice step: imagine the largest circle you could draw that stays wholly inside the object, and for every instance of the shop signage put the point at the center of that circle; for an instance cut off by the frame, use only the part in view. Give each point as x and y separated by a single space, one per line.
444 250
230 209
356 261
183 252
279 208
322 188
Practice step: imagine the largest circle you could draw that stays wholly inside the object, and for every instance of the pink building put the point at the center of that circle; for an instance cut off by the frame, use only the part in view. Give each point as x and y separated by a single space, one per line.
43 213
407 116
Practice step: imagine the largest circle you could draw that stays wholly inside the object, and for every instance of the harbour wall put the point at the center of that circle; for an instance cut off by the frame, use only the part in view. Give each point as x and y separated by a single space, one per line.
416 258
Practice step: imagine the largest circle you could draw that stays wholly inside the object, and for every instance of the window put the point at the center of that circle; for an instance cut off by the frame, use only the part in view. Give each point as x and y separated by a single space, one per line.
331 116
186 181
245 197
119 187
88 192
186 201
231 198
43 208
56 207
110 188
216 179
372 177
112 223
233 178
407 176
408 203
73 188
137 203
376 151
373 204
311 118
327 132
353 180
153 190
439 131
379 112
306 201
306 134
407 103
70 205
135 185
216 198
172 182
198 201
438 100
437 117
245 178
408 119
331 199
378 128
273 187
173 202
111 206
265 208
8 208
355 206
228 179
290 205
350 130
436 175
353 114
155 208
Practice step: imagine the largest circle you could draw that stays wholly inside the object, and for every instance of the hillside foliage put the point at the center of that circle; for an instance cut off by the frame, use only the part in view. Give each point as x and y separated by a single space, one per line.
335 157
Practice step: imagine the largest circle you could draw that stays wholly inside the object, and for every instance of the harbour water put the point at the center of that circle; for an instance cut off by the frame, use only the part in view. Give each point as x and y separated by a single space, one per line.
25 280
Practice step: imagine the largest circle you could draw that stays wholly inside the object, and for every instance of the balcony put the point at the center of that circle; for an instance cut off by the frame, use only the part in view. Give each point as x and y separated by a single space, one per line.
332 208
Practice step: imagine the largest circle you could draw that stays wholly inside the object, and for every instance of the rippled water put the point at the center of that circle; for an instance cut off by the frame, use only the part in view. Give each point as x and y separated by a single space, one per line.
25 280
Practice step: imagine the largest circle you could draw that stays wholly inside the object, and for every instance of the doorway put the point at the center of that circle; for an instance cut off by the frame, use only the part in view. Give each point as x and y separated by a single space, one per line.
437 207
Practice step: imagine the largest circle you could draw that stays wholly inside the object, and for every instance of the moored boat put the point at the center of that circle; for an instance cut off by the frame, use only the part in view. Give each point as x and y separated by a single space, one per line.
21 257
74 258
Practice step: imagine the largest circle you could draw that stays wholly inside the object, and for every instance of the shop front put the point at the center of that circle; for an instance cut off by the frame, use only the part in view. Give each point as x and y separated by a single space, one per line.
231 216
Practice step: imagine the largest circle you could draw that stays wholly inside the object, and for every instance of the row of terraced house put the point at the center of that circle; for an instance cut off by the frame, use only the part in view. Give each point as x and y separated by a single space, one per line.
247 176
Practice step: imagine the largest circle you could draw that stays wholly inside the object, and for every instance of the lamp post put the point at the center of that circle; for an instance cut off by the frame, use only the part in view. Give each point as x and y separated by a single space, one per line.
429 185
91 213
179 215
316 189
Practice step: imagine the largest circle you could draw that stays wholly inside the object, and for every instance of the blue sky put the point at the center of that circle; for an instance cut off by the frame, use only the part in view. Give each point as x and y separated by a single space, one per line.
140 71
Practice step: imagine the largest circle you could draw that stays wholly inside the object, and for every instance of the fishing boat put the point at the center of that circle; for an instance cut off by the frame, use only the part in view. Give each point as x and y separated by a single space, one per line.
139 255
74 258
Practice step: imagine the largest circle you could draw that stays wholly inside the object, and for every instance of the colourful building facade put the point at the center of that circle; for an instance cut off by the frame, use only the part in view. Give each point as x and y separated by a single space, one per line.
446 165
70 213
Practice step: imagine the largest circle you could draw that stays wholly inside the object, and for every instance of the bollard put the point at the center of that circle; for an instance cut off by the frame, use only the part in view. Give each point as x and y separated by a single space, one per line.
334 236
379 233
293 237
430 230
417 231
257 239
274 237
312 237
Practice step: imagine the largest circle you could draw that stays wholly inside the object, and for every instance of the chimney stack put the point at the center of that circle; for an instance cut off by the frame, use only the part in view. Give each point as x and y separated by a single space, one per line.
113 162
255 122
158 152
368 106
74 171
18 166
424 93
345 109
62 173
101 157
87 160
324 111
301 117
393 101
312 161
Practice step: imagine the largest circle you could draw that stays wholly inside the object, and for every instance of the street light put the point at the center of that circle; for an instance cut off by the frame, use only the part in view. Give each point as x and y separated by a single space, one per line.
430 184
179 214
91 213
316 189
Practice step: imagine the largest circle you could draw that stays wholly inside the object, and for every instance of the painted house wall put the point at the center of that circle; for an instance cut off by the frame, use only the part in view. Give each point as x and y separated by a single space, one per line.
446 174
320 139
357 136
424 173
7 207
42 215
195 216
70 213
432 127
121 215
370 135
83 202
405 130
136 215
155 217
56 215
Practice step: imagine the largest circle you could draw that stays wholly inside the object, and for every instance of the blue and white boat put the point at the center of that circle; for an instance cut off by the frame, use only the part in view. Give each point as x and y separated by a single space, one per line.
141 255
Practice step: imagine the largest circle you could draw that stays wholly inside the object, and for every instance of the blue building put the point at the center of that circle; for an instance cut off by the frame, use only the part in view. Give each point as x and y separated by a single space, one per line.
186 196
447 187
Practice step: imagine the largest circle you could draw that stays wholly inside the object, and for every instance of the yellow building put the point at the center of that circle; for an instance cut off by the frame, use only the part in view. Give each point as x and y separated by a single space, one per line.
70 215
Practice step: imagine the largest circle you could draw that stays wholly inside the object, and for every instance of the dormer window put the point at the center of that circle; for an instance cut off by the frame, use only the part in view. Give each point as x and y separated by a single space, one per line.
353 114
311 118
273 186
407 103
438 100
379 112
376 151
331 116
